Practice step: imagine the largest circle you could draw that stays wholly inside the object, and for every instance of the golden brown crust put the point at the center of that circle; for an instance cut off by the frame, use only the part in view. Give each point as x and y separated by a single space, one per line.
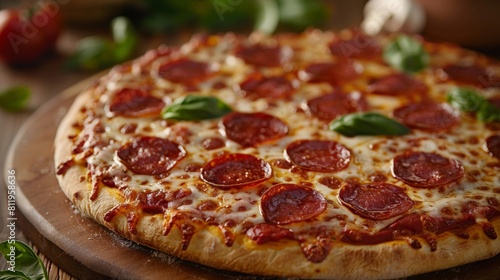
285 258
207 246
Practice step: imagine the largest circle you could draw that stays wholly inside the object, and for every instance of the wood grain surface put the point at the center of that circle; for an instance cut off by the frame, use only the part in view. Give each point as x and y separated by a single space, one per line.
87 250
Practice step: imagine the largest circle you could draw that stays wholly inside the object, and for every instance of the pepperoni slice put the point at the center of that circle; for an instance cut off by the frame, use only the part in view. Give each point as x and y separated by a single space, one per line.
236 171
133 102
250 129
376 201
330 106
213 143
185 71
267 87
426 170
289 203
473 75
493 145
428 115
333 73
260 55
411 223
150 155
397 84
359 46
264 233
318 155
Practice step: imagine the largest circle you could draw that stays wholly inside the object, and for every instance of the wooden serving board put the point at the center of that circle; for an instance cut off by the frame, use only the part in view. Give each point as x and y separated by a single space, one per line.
87 250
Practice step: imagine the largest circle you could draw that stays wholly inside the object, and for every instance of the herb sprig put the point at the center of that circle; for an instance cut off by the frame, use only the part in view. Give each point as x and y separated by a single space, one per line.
26 264
194 107
367 123
95 52
15 98
407 54
469 101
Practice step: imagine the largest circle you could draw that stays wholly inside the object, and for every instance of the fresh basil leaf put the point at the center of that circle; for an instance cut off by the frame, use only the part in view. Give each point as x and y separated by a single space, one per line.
368 123
406 54
92 53
192 108
468 100
125 38
13 275
465 99
25 261
301 14
15 98
488 113
268 16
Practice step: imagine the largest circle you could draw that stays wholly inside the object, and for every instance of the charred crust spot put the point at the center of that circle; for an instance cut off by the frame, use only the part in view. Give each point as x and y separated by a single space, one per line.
77 195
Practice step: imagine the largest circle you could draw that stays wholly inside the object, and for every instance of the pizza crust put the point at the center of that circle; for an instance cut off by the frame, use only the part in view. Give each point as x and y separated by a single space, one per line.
281 258
284 258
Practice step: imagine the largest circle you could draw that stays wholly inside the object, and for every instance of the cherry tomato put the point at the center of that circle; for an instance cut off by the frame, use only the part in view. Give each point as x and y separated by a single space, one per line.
27 35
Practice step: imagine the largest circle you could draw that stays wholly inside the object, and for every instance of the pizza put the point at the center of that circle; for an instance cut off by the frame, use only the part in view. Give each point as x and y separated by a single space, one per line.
311 155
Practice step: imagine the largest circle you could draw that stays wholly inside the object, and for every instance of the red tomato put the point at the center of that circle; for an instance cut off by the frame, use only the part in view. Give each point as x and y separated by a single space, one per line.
25 37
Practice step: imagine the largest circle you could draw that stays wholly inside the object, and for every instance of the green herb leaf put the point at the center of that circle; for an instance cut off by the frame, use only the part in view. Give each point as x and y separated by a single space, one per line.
192 108
368 123
488 113
25 260
465 99
468 100
92 53
268 16
301 14
13 275
406 54
125 38
15 98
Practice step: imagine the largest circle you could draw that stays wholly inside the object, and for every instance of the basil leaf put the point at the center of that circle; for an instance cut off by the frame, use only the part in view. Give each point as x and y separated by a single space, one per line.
368 123
25 260
406 54
92 53
125 38
488 113
268 16
13 275
465 99
468 100
301 14
192 108
15 98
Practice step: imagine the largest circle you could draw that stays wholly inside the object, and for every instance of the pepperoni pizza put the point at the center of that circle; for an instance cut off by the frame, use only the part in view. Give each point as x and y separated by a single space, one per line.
314 155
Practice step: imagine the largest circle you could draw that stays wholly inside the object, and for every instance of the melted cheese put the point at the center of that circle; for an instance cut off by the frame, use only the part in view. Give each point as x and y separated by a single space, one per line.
370 155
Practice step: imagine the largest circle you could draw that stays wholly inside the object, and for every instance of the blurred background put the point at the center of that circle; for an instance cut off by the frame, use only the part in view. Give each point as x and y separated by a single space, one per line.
60 42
